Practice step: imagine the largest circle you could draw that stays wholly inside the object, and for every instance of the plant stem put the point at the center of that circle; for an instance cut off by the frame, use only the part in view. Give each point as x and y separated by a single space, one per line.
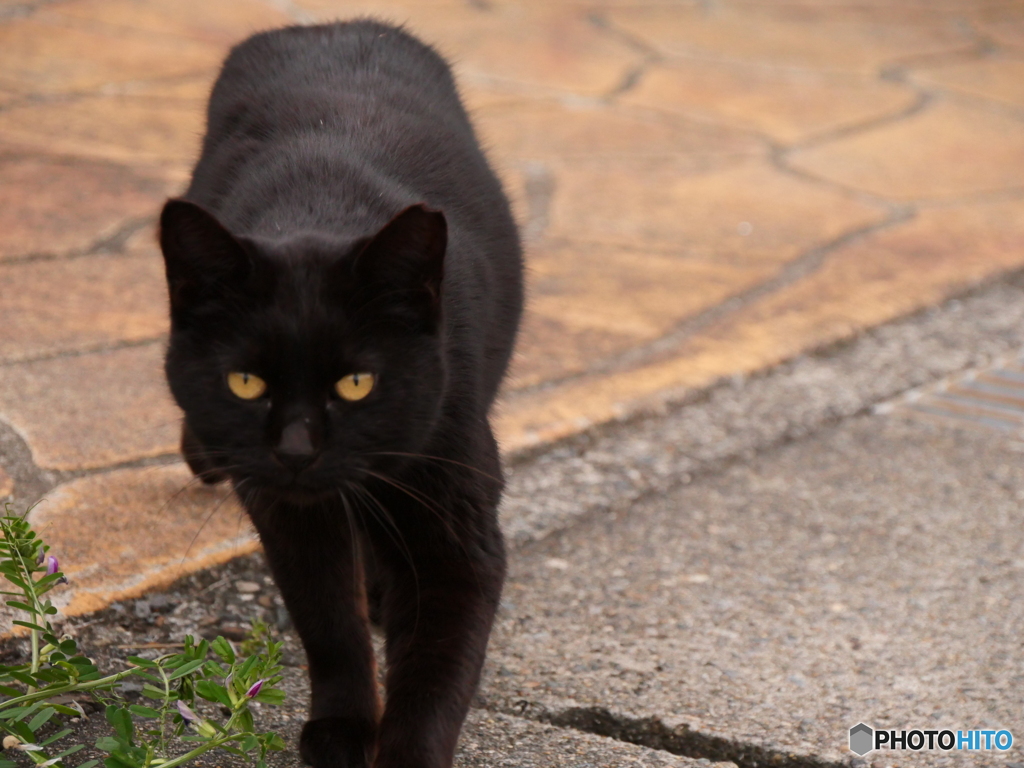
35 650
180 759
48 693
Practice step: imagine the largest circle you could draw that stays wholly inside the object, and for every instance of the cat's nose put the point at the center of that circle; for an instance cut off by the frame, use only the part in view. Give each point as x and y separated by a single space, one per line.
298 446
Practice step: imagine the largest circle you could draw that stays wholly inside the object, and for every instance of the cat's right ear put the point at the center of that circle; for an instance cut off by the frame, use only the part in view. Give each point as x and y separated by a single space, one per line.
203 259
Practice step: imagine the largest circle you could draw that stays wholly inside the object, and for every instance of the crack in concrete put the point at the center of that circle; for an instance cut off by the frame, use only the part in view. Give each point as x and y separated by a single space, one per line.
632 77
80 351
656 733
112 244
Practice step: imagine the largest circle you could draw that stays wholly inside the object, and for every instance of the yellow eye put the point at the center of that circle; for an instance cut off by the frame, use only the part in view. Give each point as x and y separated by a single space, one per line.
355 386
247 386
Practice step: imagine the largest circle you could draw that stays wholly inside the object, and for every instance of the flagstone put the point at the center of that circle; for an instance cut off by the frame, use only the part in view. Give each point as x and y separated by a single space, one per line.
155 132
589 302
747 212
120 534
788 105
948 150
789 40
877 278
94 410
193 89
55 306
1005 25
997 77
49 54
221 23
595 133
57 205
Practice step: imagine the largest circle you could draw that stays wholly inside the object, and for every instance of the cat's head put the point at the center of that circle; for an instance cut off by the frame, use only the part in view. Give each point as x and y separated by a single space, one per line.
305 363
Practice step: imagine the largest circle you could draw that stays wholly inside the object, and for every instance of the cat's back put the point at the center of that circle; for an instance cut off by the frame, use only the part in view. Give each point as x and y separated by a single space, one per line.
343 60
336 112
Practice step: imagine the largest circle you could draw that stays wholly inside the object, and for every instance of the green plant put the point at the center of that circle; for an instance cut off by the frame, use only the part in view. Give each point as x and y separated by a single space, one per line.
143 736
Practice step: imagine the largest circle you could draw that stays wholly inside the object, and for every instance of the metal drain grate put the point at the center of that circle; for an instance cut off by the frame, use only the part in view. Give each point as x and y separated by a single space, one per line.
992 398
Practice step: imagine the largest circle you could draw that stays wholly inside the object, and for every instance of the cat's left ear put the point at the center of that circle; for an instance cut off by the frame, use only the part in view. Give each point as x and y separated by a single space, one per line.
405 259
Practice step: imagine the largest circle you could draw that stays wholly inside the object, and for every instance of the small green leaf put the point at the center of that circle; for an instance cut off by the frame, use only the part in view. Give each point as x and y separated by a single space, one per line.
186 669
223 649
245 722
21 677
41 718
138 661
271 696
246 667
141 711
86 764
121 722
107 743
152 692
275 742
56 737
70 750
213 692
249 743
21 606
69 647
8 691
36 627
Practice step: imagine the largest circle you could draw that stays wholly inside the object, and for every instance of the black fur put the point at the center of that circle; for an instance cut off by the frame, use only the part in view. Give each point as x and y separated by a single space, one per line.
342 219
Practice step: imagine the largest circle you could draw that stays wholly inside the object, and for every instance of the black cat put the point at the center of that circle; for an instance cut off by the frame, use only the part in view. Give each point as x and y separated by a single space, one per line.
346 283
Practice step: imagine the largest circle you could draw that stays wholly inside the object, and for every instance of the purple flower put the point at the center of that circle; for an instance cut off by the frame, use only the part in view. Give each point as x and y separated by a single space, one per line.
52 566
255 689
186 714
41 556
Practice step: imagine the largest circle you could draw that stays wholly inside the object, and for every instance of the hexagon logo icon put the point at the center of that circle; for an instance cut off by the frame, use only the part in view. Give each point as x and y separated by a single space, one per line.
861 739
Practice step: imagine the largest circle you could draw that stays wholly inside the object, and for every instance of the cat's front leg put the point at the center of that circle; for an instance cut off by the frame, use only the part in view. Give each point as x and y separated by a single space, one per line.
316 563
439 602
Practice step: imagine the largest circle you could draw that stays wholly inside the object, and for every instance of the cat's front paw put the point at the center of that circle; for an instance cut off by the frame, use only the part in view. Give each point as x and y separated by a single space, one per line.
337 742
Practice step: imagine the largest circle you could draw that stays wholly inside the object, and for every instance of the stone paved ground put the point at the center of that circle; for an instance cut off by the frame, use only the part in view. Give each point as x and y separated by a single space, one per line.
705 188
